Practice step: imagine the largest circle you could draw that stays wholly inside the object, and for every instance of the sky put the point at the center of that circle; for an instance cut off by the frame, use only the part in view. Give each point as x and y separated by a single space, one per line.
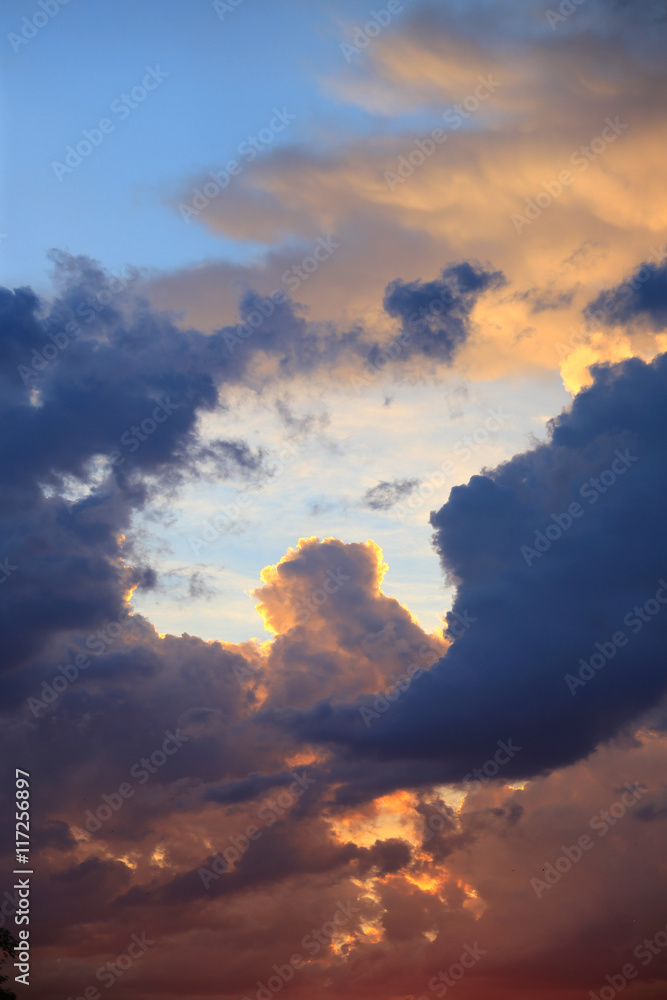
333 572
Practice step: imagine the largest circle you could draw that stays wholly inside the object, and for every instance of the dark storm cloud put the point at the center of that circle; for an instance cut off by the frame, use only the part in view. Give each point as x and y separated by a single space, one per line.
288 850
102 391
540 589
640 299
653 11
436 314
249 788
386 494
99 388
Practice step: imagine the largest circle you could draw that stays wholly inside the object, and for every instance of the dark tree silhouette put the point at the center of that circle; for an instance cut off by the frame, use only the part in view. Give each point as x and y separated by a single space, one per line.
7 946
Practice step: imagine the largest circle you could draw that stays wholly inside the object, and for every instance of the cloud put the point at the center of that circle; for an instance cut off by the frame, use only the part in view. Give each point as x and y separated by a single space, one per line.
556 92
409 822
98 408
386 494
437 313
426 876
639 300
541 591
102 412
